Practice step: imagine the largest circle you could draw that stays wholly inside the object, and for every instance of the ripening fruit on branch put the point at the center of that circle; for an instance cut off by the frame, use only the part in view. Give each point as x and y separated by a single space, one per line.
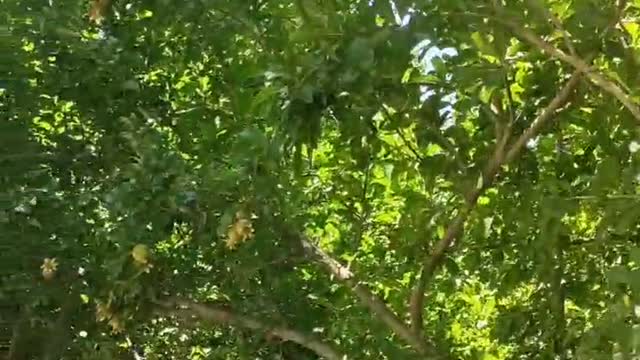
117 325
49 268
98 10
240 231
103 311
140 254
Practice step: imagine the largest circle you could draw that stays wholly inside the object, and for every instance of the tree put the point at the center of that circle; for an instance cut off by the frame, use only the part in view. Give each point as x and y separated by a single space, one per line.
319 179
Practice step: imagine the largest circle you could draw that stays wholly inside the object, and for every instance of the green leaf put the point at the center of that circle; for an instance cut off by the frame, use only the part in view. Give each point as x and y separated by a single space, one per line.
484 44
619 275
360 54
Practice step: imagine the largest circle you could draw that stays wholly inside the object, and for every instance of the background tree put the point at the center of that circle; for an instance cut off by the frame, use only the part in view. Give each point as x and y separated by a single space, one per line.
217 179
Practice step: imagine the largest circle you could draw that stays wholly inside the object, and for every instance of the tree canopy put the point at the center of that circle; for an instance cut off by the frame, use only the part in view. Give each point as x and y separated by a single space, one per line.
320 179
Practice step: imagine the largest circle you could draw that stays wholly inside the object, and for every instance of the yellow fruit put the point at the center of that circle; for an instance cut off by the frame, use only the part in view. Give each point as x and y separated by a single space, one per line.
140 254
49 268
117 326
103 312
48 275
98 10
239 232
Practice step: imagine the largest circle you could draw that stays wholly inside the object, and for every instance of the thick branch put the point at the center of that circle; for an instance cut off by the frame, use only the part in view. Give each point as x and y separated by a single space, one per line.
454 230
18 334
60 332
369 299
547 114
224 316
578 63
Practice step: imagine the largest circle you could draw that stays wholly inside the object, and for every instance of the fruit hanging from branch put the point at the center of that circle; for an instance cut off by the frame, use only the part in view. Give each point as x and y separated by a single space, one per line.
140 254
49 268
240 231
98 10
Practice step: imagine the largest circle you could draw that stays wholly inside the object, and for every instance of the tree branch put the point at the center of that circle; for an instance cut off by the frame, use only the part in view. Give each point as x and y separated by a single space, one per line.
547 114
404 139
539 5
370 300
441 140
578 63
492 169
60 333
366 207
558 298
17 337
224 316
409 146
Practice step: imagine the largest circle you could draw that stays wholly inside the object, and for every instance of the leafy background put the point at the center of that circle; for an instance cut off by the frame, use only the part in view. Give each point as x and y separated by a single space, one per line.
294 171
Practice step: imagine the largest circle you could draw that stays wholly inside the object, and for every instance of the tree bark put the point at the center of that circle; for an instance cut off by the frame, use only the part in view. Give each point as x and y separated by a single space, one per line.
224 316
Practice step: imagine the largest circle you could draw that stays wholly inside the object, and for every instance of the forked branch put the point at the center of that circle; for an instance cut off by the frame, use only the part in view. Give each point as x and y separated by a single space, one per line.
370 300
501 157
579 64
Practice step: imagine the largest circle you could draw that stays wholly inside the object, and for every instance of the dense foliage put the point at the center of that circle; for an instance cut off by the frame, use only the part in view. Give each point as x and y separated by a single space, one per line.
219 179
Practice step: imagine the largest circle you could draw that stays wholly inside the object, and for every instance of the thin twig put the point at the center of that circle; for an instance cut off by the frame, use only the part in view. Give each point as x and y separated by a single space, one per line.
441 140
622 4
406 142
507 86
558 297
604 197
409 146
366 207
26 156
556 23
